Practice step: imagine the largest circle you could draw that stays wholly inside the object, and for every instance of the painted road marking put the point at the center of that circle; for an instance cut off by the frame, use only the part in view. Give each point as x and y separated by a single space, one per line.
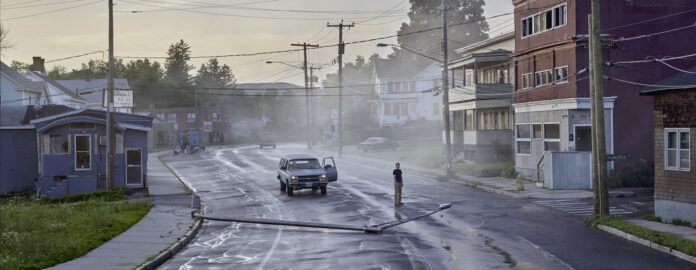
580 207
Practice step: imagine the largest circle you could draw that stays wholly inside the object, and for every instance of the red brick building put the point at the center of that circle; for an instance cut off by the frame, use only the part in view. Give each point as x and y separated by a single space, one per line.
552 109
675 146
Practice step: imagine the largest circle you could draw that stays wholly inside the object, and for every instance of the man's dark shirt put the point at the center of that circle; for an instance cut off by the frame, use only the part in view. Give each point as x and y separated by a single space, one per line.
397 172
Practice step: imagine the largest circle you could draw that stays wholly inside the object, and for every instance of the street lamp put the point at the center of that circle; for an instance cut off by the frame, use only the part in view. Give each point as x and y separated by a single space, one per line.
445 100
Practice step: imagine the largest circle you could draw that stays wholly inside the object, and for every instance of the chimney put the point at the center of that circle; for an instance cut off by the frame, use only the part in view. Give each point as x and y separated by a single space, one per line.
38 64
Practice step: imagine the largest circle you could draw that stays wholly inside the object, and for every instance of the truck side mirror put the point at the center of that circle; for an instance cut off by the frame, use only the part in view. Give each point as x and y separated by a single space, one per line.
327 166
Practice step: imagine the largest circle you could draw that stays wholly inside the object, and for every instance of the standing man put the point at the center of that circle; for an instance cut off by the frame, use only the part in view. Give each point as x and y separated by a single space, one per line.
398 184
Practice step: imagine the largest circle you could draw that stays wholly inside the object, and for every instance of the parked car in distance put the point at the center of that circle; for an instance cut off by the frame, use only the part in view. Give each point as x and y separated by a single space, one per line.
297 172
267 139
378 144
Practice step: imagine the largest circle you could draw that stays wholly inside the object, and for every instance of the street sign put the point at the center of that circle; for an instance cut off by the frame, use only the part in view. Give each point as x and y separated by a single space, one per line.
619 157
207 126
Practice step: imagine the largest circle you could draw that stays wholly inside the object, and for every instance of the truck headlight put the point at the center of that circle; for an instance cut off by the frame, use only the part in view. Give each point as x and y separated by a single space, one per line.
323 177
293 178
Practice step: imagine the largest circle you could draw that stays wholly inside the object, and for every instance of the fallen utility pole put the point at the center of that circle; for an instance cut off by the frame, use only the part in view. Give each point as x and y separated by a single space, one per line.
598 130
341 50
306 85
365 228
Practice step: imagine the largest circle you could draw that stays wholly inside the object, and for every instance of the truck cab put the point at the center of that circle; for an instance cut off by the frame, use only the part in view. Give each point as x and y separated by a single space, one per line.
297 172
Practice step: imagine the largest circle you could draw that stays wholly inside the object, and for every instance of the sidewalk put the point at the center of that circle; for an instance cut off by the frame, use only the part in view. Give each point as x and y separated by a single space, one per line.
168 220
508 187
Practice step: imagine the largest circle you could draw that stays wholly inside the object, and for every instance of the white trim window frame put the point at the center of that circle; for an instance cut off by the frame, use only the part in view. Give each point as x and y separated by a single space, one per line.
551 140
77 153
561 75
523 139
559 18
677 147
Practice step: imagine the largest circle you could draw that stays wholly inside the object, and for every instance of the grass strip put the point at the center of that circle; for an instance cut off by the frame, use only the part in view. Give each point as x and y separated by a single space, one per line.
36 236
684 245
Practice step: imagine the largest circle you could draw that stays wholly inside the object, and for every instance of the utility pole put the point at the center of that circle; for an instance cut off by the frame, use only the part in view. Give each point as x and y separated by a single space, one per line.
445 91
593 109
306 85
341 50
313 103
598 98
110 107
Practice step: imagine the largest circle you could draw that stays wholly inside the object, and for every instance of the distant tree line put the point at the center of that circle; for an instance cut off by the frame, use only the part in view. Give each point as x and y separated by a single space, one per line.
168 86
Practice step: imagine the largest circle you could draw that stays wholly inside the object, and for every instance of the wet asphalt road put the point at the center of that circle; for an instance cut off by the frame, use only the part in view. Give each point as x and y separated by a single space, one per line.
481 231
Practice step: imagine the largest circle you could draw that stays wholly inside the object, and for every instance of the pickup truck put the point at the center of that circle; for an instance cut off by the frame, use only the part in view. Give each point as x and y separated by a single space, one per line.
297 172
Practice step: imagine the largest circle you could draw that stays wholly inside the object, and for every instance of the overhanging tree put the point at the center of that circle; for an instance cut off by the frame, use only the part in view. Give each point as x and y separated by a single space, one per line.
426 14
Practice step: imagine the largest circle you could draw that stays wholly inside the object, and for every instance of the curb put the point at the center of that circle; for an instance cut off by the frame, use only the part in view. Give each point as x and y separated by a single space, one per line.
655 246
167 254
174 249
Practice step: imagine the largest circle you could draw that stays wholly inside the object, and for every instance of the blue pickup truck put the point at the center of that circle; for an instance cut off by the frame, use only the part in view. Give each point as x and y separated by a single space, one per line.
297 172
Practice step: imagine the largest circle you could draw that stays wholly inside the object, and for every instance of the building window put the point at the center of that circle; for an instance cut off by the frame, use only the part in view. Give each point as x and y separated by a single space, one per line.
523 139
527 80
56 144
390 87
677 149
191 117
552 137
536 131
171 118
561 74
413 86
160 116
83 155
469 120
215 117
543 21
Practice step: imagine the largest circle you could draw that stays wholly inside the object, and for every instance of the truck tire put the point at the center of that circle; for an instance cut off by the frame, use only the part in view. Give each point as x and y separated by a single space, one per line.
282 186
289 191
323 189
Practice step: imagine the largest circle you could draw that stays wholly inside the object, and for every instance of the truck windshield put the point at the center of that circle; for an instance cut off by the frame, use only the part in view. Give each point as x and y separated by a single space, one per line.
304 164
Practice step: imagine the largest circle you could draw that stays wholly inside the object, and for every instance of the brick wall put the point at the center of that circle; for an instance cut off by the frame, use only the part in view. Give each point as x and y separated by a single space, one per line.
676 109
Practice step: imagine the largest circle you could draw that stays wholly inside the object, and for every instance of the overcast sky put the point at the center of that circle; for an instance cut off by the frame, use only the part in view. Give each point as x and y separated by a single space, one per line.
56 29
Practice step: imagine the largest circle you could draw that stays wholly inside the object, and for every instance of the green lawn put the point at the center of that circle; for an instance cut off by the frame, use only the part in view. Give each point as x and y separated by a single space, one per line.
665 239
35 236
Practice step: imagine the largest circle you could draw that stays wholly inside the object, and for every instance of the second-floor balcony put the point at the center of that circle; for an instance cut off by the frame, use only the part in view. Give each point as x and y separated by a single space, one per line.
486 78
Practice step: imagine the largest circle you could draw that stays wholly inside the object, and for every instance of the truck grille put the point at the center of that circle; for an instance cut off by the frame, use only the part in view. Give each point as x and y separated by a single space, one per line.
308 178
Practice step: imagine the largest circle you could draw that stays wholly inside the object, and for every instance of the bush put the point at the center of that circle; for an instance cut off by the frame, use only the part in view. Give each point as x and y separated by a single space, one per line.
509 172
636 174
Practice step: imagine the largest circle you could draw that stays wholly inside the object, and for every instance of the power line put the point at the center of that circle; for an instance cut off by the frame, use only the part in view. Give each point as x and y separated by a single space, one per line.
204 5
51 11
653 59
649 20
332 45
236 15
40 5
686 86
76 56
655 34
